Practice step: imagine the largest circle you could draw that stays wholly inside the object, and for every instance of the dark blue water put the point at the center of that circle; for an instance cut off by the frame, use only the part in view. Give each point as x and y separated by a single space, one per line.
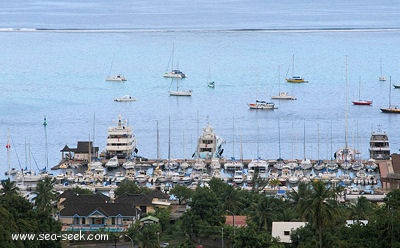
60 75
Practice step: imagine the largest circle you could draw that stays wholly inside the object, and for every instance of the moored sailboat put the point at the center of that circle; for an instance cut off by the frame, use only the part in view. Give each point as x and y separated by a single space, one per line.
391 109
361 101
295 79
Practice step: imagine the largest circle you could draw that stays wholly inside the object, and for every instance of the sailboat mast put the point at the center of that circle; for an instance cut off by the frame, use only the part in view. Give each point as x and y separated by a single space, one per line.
279 137
172 59
304 140
94 134
158 144
293 65
390 91
169 139
8 146
45 137
346 107
233 142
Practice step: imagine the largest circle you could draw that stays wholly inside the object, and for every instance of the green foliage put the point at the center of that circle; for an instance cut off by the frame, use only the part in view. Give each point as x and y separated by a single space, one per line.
146 236
81 191
182 193
130 187
8 187
163 214
206 206
18 215
45 195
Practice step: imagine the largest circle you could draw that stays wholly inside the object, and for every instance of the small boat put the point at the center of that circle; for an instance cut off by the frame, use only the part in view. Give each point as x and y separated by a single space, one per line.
126 98
391 109
238 177
11 172
211 84
128 164
112 162
360 101
284 96
116 78
174 74
396 86
179 92
259 104
295 79
320 165
306 164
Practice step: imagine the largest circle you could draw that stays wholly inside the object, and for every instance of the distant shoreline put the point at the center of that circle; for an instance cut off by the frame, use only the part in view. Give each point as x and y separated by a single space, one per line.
260 30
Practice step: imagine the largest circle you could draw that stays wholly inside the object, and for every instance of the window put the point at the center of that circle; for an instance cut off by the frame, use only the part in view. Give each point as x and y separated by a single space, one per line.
286 233
76 220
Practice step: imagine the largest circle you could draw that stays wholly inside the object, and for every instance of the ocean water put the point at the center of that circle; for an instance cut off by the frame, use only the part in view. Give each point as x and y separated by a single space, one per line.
57 54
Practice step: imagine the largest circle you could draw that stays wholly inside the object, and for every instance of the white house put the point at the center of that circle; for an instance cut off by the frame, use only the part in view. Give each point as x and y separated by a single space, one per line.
283 230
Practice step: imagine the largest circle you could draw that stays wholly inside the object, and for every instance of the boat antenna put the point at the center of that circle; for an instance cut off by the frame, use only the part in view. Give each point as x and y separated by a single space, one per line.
45 138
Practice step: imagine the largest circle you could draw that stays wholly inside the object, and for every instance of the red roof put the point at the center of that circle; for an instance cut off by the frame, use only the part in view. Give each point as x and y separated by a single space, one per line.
240 220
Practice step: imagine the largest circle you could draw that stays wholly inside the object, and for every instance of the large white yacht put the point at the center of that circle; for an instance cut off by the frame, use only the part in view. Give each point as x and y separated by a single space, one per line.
209 145
121 141
379 146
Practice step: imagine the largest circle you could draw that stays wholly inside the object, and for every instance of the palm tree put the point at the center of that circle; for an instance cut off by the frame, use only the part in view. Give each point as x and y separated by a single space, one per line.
362 208
318 206
8 187
45 195
299 198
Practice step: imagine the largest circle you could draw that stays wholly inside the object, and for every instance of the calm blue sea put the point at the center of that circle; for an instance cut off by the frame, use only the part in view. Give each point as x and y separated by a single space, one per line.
55 56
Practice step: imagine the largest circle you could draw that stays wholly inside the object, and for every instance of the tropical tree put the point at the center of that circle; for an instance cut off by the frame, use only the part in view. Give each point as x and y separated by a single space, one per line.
182 193
318 206
147 235
362 209
8 187
128 186
45 195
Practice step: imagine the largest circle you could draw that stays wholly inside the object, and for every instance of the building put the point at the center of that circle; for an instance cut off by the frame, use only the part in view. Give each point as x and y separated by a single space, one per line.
390 173
236 220
82 152
92 212
283 230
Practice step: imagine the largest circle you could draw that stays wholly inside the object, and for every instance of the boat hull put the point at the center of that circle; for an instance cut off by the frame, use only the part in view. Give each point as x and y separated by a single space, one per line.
180 93
296 80
362 102
262 105
391 110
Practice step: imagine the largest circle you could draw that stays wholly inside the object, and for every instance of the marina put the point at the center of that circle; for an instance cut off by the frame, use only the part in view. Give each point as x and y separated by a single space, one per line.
84 167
